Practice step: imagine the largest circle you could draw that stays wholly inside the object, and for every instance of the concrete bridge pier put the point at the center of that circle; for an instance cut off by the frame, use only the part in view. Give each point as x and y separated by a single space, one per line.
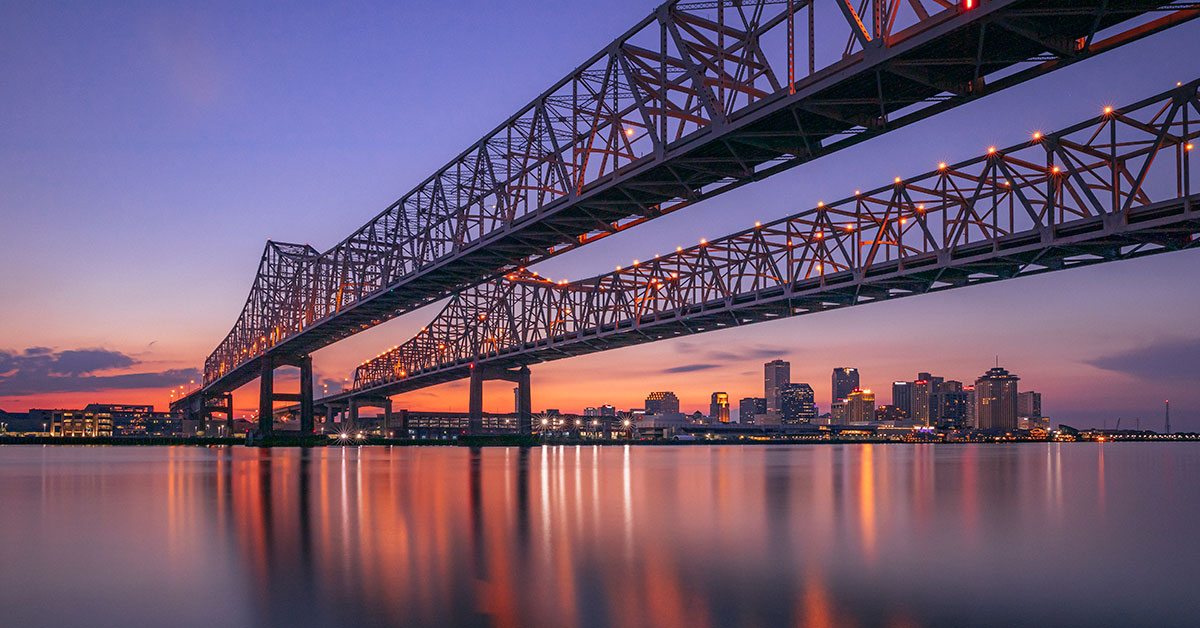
267 395
520 376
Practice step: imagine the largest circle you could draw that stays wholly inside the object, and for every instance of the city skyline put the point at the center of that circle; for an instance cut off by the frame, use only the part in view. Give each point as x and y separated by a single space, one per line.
147 167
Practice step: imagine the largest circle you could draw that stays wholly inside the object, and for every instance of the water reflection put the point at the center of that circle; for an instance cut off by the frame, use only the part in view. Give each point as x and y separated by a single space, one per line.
1076 534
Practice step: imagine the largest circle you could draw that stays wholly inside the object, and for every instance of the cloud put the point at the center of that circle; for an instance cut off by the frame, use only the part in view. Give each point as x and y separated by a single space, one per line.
688 368
42 370
747 352
1171 359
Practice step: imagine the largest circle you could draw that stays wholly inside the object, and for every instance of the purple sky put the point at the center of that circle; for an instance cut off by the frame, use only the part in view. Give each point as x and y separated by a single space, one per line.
147 151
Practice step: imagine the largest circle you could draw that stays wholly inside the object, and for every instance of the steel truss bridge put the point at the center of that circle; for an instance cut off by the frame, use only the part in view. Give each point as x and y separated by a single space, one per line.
696 99
1118 186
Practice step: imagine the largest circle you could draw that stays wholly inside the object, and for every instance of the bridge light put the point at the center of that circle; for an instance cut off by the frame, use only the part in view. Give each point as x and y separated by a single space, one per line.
757 224
635 262
1037 135
942 166
1188 147
678 249
628 131
703 241
1107 110
903 221
849 227
820 235
857 192
1054 170
968 4
991 150
820 203
921 207
897 179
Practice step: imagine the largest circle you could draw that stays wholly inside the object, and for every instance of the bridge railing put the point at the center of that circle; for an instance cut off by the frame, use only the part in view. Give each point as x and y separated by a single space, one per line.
1101 169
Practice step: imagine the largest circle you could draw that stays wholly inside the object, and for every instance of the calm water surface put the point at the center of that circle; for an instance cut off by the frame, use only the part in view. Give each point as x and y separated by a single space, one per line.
820 535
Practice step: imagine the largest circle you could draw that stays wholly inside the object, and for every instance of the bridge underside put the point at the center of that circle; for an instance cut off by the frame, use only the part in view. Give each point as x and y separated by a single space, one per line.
876 89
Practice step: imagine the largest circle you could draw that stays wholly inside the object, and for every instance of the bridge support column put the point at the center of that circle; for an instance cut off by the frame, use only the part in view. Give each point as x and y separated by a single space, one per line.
524 402
329 414
524 397
387 418
475 403
351 416
306 396
266 397
403 431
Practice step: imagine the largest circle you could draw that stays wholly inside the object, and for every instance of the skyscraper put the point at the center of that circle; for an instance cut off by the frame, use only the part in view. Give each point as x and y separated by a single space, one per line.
860 406
902 397
776 375
950 409
662 403
749 408
718 409
996 400
923 405
798 405
845 380
1029 405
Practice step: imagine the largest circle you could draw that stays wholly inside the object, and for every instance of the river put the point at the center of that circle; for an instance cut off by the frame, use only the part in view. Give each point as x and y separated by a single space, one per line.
1033 534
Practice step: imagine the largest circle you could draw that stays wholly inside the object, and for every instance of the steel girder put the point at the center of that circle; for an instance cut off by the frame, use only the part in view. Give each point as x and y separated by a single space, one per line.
1118 186
696 99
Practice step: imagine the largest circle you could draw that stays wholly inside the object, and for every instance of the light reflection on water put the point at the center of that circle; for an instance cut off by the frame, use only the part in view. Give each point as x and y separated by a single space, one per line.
817 535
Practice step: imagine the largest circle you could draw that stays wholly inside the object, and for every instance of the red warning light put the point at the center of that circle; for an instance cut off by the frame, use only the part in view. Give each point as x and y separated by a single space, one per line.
968 4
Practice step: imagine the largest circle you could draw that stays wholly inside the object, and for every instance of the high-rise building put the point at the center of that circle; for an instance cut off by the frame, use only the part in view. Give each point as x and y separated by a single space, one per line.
1029 405
718 409
749 408
860 406
890 414
902 397
591 411
951 407
838 414
969 390
798 404
845 380
923 404
608 410
662 403
996 400
776 375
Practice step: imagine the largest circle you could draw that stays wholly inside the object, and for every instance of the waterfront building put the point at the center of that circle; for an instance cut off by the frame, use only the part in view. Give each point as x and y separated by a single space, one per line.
1029 405
591 411
797 404
776 375
890 414
969 389
923 403
80 424
902 397
845 380
750 408
107 419
837 412
718 408
996 400
664 402
608 410
950 409
860 406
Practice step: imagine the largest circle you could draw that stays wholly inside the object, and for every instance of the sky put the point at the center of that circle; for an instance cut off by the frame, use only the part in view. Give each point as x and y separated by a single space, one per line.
148 150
